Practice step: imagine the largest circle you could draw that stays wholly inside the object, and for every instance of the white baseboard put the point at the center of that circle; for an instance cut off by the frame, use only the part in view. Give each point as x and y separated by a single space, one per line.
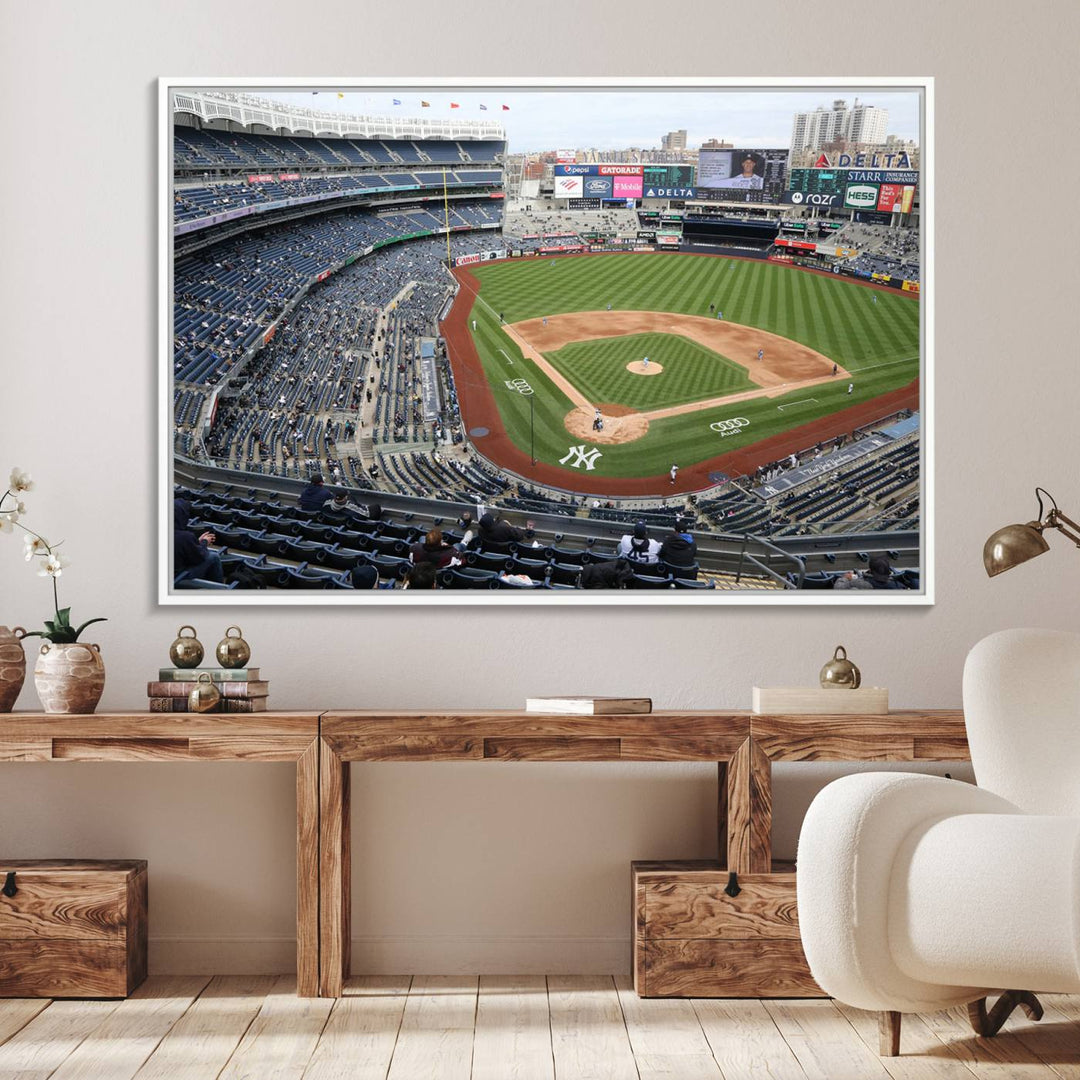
434 954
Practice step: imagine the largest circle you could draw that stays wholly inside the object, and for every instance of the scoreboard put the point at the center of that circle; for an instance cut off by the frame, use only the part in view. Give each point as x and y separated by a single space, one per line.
669 176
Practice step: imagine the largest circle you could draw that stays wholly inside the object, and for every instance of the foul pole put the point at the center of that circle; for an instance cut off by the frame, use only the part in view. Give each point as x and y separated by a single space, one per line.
446 214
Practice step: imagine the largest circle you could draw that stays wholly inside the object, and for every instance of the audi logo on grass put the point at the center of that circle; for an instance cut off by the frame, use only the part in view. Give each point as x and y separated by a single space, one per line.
729 427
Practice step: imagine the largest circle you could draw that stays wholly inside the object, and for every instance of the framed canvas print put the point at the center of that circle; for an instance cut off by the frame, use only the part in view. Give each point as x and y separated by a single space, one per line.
546 342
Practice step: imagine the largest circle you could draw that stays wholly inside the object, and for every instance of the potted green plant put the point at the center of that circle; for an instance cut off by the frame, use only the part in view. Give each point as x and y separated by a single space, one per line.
69 674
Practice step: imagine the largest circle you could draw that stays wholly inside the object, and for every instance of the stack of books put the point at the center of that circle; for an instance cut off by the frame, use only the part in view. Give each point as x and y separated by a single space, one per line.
241 689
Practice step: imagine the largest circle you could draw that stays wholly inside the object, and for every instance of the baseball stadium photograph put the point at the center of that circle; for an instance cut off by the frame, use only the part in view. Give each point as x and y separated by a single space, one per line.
546 342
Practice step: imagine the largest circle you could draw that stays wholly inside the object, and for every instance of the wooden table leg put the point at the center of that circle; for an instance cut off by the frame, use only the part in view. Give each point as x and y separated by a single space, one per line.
749 810
722 813
334 872
307 872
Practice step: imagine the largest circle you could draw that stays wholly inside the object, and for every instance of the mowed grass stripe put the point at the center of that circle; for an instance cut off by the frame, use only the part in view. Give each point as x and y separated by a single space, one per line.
691 372
831 315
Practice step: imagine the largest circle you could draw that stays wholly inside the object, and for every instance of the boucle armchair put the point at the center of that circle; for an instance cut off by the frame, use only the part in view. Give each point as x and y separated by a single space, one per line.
918 893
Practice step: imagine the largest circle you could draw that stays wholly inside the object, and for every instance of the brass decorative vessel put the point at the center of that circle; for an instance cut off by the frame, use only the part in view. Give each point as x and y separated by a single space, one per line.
186 652
204 695
840 673
233 652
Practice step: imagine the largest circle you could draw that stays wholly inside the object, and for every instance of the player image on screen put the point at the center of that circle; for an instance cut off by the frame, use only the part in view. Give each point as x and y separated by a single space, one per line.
750 176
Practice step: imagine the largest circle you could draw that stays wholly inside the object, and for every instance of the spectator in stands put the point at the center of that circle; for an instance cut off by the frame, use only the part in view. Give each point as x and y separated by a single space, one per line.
364 577
493 529
637 548
339 510
315 494
432 549
374 512
420 576
192 557
679 548
880 574
615 574
851 580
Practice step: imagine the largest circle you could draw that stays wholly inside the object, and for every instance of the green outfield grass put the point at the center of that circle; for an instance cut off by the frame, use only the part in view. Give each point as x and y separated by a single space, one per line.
877 341
691 372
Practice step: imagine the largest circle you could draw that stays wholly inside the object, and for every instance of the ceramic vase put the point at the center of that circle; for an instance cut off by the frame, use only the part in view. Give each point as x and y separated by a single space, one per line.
12 666
69 678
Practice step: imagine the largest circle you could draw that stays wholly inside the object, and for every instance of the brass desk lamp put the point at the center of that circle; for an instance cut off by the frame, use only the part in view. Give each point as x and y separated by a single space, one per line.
1014 544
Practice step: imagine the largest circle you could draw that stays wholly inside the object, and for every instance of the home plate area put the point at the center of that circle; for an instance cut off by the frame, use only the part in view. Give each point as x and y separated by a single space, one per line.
621 424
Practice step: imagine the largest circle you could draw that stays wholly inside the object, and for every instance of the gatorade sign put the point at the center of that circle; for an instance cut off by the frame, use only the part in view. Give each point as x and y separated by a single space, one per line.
861 196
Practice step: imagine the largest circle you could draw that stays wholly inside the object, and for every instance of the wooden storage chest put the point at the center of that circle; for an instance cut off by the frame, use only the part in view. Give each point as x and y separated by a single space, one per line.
692 939
71 928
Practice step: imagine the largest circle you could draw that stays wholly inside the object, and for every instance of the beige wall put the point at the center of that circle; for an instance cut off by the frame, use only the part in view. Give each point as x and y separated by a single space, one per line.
492 867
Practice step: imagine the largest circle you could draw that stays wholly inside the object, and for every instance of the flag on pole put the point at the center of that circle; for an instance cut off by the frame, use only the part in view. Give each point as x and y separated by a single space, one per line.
314 93
454 105
483 108
340 95
425 104
397 101
506 108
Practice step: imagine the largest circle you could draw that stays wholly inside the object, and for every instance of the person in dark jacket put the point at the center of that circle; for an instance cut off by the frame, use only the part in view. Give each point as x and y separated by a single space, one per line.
880 575
613 574
192 557
315 494
432 549
678 547
492 529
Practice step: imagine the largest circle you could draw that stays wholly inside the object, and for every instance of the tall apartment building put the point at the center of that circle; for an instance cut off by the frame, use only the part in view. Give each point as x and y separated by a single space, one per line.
674 140
858 123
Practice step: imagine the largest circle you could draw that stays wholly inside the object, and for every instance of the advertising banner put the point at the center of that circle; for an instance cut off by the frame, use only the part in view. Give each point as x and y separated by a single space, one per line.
908 199
569 187
669 241
626 187
565 155
840 253
289 176
261 178
575 170
598 187
861 196
800 198
669 193
910 286
801 245
890 197
618 170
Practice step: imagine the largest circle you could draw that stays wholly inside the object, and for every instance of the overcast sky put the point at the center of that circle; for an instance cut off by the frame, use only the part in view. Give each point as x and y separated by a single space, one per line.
547 120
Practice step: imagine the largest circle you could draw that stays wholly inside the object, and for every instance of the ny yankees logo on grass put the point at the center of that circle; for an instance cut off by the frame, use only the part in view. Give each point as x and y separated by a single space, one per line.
581 457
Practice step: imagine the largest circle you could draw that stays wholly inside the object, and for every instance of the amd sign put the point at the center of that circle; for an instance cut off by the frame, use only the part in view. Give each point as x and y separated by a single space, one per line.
802 198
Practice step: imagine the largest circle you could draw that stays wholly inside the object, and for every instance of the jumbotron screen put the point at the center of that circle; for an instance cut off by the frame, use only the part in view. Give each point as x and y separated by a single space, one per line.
743 175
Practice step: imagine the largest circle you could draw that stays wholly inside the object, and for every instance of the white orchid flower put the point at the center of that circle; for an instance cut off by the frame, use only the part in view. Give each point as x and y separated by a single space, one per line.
34 545
53 566
20 481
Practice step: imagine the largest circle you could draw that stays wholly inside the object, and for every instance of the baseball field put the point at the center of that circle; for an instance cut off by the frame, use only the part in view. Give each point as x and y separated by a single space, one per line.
540 345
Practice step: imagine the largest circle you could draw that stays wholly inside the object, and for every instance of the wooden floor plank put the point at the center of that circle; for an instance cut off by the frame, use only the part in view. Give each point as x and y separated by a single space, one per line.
358 1041
1004 1057
665 1036
279 1042
436 1037
40 1047
117 1048
16 1013
825 1044
923 1056
513 1029
588 1034
1056 1038
745 1042
204 1038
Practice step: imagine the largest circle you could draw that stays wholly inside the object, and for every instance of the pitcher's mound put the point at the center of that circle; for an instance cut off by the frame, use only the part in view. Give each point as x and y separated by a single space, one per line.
638 368
621 424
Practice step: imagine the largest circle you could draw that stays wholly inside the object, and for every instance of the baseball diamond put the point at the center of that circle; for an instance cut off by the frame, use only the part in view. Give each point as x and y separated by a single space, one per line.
818 333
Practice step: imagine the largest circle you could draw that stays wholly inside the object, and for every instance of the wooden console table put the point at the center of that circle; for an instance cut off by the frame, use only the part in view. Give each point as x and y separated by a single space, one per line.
742 744
260 737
